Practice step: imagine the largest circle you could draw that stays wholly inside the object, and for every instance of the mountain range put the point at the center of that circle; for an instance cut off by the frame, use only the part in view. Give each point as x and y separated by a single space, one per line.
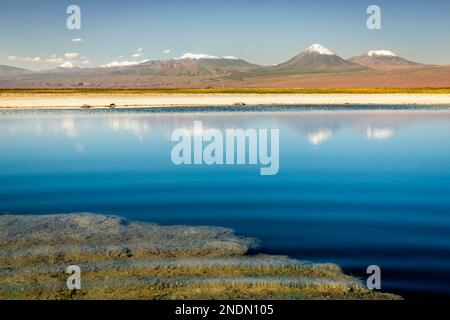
7 71
202 70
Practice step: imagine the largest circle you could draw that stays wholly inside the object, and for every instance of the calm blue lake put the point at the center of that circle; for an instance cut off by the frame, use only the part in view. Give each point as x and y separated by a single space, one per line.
355 187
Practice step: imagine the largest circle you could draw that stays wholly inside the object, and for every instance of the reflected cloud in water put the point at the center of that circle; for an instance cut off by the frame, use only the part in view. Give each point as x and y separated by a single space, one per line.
379 133
138 127
79 147
67 125
315 127
318 137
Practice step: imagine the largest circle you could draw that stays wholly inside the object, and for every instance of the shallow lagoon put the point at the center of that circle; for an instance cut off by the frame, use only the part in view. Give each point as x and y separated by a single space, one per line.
355 187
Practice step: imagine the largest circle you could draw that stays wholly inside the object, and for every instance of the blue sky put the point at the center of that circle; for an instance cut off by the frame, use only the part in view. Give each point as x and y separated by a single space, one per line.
263 32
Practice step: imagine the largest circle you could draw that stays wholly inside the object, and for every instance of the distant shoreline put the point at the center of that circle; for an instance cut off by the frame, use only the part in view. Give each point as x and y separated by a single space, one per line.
129 99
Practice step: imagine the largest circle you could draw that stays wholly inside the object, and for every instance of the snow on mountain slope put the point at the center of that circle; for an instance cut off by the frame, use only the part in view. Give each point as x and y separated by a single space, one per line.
318 48
316 58
383 59
196 56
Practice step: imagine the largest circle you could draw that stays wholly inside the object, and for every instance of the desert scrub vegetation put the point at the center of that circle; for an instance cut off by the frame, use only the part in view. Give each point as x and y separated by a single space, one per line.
233 91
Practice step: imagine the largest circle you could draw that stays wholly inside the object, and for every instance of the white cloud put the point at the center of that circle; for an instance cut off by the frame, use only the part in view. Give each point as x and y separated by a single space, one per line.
54 59
77 40
24 59
67 65
123 63
166 51
139 53
71 55
64 62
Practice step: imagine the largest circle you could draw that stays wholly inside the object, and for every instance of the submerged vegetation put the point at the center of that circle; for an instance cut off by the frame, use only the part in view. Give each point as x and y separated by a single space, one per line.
122 259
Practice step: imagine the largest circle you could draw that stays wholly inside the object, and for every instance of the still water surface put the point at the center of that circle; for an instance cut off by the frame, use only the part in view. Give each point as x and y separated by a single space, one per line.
355 187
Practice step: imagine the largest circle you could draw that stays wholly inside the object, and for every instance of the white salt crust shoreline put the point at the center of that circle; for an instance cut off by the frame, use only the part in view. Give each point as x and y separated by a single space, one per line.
31 101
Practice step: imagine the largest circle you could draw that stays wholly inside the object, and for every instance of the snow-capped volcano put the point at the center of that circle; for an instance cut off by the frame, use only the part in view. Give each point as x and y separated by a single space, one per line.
316 58
196 56
382 59
201 56
188 64
318 48
116 64
63 69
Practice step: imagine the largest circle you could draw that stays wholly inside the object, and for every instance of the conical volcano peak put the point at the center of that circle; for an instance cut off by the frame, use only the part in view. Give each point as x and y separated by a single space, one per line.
318 48
383 59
